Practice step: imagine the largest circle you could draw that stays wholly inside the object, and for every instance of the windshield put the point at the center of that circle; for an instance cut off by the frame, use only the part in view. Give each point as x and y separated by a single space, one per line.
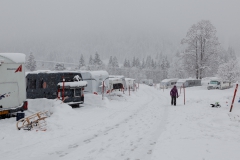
214 82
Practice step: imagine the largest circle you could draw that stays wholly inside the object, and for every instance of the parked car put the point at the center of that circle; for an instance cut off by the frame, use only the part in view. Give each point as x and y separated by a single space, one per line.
218 84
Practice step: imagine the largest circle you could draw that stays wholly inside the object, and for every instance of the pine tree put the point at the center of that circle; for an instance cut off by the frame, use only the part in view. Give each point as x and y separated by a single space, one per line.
148 62
81 62
31 63
115 62
97 61
143 64
90 62
138 64
129 64
110 62
134 62
125 64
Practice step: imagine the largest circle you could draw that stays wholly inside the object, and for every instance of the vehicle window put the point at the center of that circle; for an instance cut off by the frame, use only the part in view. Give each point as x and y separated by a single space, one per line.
214 82
77 92
32 83
51 82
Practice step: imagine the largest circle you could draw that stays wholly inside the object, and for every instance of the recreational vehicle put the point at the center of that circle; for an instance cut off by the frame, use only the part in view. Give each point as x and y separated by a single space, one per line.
188 82
95 80
168 83
131 83
52 85
147 81
12 83
117 82
218 84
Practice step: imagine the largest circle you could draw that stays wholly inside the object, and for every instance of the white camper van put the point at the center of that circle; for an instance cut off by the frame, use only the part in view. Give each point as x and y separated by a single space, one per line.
168 83
117 82
12 83
190 82
131 83
94 80
218 84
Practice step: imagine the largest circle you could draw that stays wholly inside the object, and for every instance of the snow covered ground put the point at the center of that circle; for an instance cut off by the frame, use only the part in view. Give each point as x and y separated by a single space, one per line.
142 126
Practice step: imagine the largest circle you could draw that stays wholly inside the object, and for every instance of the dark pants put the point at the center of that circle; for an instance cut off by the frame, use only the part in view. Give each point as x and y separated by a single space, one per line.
173 102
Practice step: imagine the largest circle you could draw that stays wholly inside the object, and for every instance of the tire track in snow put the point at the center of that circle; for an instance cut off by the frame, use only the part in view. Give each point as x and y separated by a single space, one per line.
136 142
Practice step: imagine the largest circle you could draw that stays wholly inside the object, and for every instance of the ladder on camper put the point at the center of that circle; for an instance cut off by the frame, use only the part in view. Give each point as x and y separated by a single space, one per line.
34 120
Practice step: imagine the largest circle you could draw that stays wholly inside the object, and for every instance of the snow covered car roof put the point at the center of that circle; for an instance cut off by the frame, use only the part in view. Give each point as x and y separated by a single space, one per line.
168 80
73 84
12 57
184 80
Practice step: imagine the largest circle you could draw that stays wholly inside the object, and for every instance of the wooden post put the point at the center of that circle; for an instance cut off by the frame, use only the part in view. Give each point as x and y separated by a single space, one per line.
58 96
129 89
234 97
184 93
63 90
102 90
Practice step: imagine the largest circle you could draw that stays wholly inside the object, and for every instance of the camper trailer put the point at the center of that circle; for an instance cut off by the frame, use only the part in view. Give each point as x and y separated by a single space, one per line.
188 82
117 82
218 84
147 82
168 83
12 83
95 80
131 83
52 85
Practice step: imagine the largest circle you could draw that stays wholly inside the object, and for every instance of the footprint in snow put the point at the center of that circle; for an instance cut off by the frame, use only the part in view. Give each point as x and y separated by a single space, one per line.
73 146
149 152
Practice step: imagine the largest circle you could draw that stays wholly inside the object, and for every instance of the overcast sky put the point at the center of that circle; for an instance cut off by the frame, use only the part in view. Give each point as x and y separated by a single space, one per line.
35 20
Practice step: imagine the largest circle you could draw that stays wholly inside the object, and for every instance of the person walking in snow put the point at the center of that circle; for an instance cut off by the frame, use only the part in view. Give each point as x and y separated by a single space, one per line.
174 95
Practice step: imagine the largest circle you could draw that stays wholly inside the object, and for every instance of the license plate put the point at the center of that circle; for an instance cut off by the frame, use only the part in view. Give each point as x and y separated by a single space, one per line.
3 112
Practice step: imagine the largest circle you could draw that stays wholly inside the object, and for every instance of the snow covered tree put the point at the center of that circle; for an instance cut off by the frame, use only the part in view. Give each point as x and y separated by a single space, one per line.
176 69
134 62
125 63
31 63
110 62
164 67
97 61
59 67
138 63
90 62
148 62
115 62
229 71
81 62
202 44
143 64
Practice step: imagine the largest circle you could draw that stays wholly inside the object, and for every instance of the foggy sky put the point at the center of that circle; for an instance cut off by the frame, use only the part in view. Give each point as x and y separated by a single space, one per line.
39 25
